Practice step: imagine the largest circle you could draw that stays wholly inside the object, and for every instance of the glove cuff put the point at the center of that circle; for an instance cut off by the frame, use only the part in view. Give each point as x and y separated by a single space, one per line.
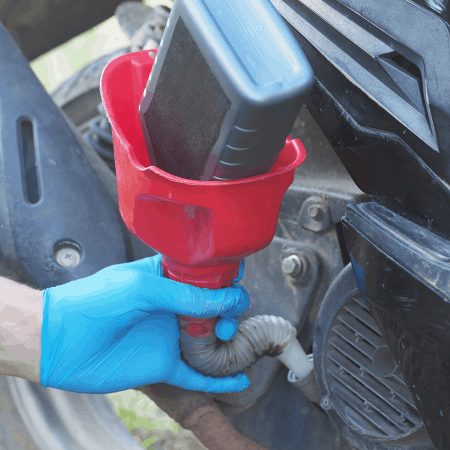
45 348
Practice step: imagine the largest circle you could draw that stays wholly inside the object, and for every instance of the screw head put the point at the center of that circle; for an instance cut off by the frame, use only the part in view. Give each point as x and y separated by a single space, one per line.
325 402
316 211
292 265
67 254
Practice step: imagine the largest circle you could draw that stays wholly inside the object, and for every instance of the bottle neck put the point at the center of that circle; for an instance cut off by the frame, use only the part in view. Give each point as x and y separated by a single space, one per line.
212 277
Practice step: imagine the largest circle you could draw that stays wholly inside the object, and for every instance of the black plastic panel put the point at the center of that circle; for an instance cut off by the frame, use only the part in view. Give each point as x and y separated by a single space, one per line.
403 270
382 95
50 196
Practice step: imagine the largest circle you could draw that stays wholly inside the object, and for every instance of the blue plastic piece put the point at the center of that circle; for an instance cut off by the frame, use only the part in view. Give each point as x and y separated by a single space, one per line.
226 329
117 329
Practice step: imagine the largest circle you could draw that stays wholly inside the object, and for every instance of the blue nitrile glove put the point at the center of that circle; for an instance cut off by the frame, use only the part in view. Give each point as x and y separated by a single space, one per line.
226 328
118 329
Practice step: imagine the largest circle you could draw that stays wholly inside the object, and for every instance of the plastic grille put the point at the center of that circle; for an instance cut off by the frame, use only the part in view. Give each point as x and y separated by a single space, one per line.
366 387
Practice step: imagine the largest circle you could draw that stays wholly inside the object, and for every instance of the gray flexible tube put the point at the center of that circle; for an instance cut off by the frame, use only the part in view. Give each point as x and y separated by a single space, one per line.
256 337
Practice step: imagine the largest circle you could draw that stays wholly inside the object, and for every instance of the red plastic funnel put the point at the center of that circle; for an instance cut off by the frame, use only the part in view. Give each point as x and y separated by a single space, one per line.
202 228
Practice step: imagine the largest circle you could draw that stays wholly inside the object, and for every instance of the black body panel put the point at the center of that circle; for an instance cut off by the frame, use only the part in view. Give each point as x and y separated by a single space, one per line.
403 270
50 196
391 133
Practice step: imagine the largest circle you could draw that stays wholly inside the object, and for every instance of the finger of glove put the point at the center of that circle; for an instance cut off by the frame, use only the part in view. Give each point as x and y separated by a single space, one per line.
226 328
151 265
188 378
184 299
240 274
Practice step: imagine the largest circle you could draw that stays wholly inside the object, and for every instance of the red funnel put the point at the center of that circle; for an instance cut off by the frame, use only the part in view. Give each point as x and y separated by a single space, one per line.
202 228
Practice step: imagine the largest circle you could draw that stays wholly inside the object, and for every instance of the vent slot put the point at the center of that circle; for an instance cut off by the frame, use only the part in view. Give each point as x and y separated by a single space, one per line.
407 77
405 64
27 151
373 402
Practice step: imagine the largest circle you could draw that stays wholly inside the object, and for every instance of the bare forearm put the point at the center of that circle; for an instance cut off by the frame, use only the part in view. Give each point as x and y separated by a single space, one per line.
20 330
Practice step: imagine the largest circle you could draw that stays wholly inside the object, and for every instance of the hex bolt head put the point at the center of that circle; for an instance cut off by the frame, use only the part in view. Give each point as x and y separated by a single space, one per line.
292 265
67 255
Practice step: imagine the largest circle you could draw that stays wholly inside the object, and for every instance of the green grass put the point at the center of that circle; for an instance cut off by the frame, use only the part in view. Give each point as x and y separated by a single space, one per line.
150 425
54 67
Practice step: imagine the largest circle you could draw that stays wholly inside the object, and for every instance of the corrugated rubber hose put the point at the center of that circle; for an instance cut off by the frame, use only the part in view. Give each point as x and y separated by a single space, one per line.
257 336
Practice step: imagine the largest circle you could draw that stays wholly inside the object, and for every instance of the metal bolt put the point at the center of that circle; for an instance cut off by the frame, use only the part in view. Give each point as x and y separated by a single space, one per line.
316 212
292 265
67 255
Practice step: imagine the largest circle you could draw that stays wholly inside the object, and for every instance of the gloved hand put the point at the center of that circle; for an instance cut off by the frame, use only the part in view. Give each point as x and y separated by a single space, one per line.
118 329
